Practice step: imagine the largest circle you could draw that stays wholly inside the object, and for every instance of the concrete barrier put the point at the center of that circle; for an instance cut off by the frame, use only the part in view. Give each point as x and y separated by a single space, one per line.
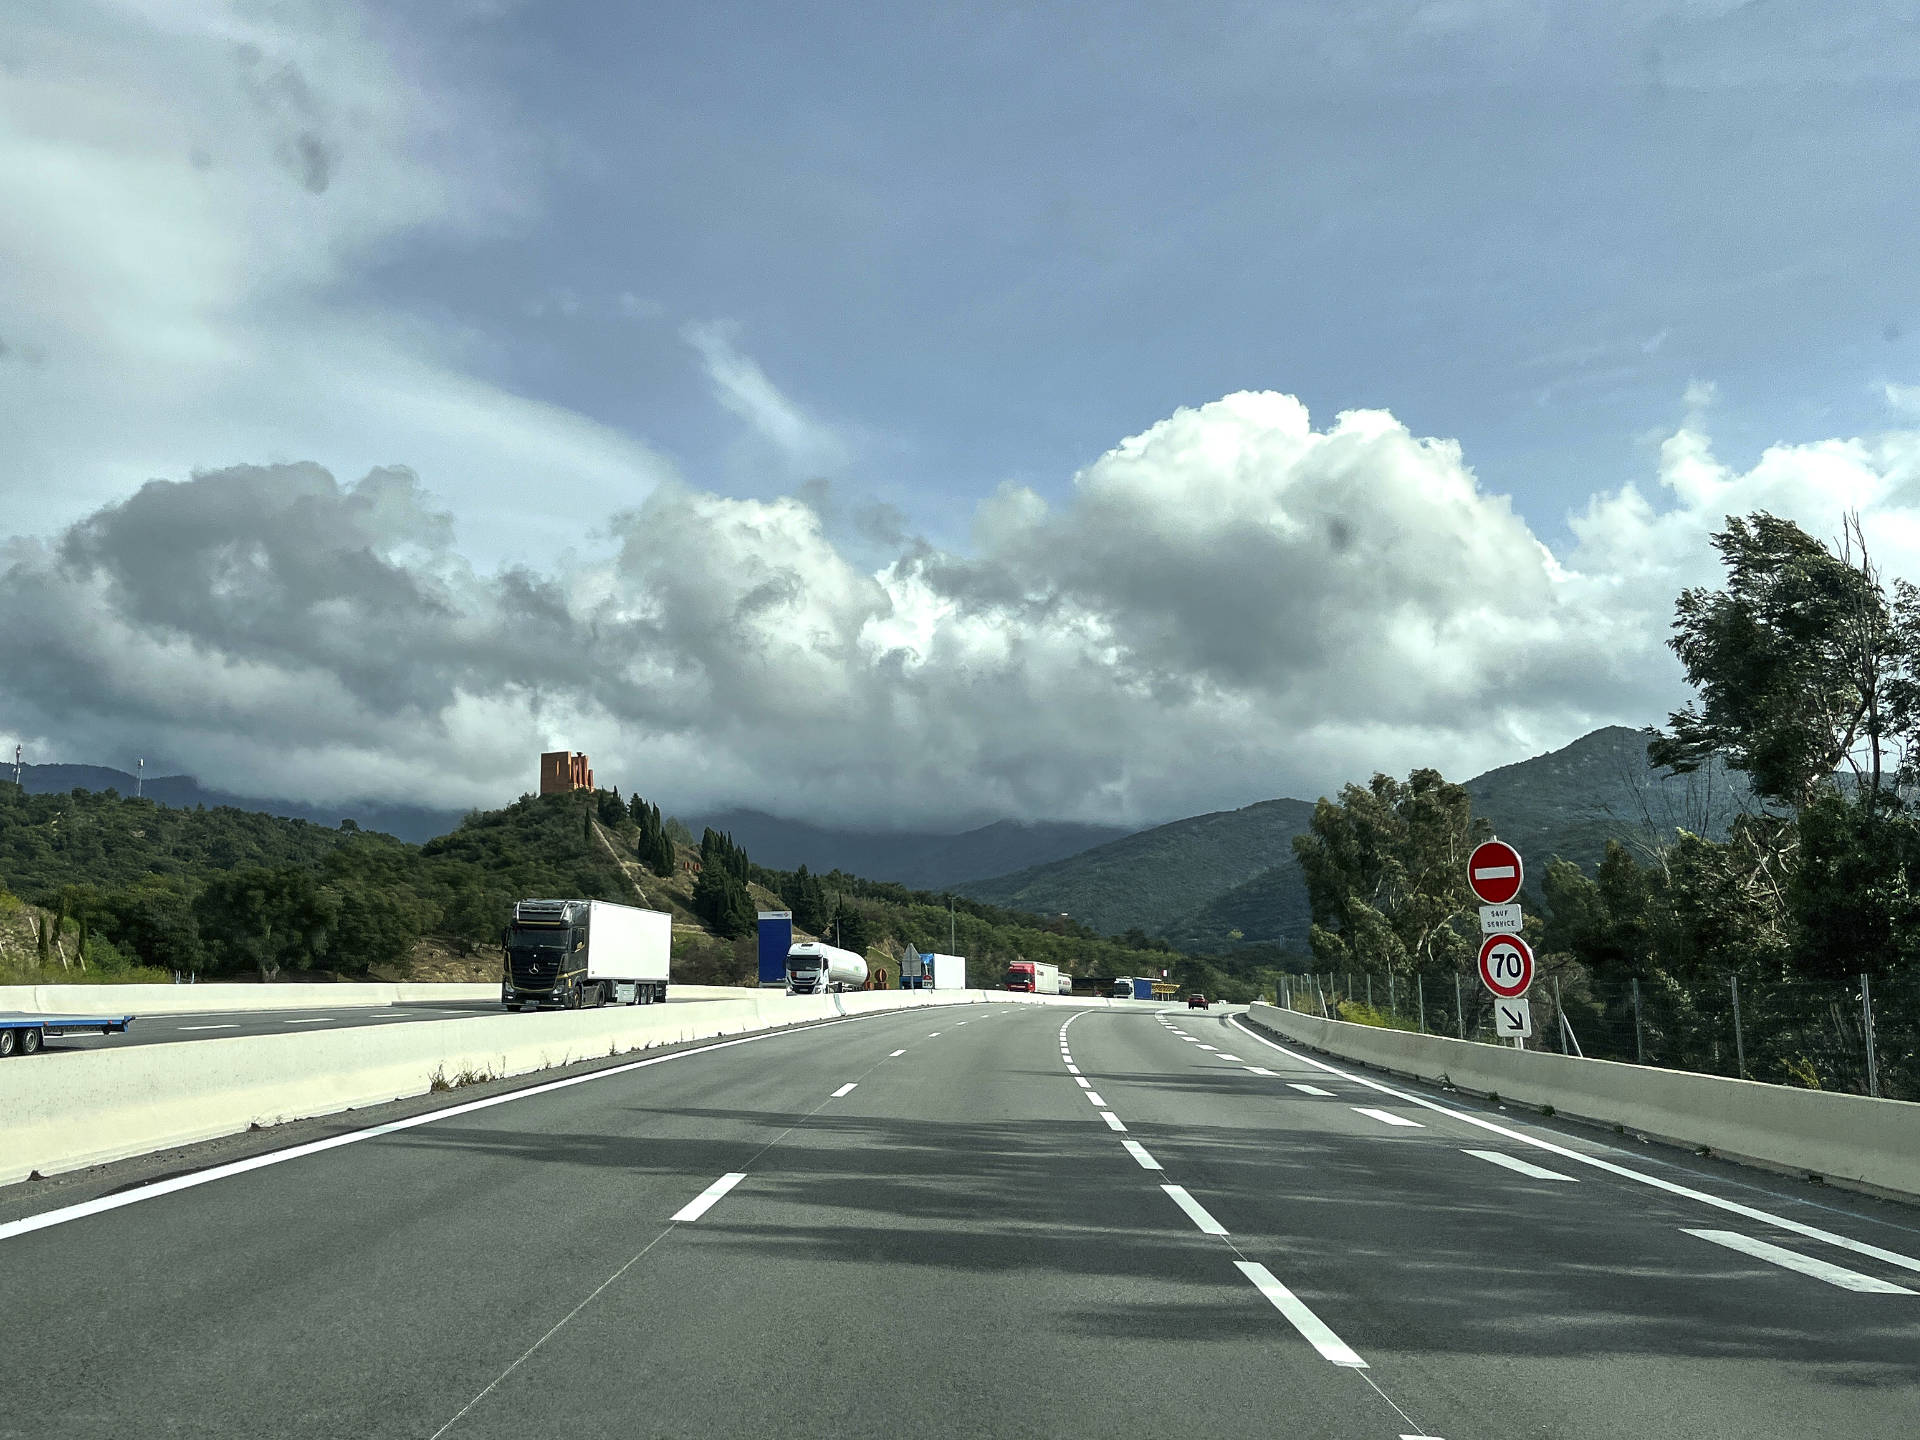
1847 1138
65 1111
179 999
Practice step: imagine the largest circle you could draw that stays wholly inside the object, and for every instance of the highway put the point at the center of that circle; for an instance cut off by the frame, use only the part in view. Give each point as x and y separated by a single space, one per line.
170 1029
992 1220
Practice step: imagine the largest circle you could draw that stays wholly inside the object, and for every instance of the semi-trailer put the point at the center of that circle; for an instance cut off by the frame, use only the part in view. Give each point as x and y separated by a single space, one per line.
1064 985
947 972
1142 988
1034 976
569 953
817 969
24 1034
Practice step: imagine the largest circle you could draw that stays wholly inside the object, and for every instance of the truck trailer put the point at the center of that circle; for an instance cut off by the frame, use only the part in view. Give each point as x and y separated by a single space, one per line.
817 969
569 953
1142 988
1034 976
1065 984
24 1034
947 972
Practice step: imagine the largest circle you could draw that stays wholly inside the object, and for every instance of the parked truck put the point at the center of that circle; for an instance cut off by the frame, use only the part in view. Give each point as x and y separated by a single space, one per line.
1034 976
24 1034
817 969
570 953
1142 988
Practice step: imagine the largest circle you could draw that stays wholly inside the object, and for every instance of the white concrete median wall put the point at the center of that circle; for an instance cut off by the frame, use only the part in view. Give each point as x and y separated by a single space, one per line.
1842 1137
194 999
65 1111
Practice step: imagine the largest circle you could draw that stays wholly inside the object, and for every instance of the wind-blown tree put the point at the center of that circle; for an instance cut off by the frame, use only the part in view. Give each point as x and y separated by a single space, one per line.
1386 869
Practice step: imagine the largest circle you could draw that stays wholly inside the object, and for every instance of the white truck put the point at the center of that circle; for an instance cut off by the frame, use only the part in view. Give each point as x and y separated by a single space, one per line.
947 972
817 969
569 953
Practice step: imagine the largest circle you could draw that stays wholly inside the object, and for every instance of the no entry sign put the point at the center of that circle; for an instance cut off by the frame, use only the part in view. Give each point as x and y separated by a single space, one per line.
1493 872
1506 965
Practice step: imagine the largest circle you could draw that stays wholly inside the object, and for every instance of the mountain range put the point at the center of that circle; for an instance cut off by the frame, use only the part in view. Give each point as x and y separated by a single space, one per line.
1214 880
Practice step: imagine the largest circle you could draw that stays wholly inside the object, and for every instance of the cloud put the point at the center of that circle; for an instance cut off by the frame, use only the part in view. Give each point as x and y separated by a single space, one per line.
195 195
805 445
1230 605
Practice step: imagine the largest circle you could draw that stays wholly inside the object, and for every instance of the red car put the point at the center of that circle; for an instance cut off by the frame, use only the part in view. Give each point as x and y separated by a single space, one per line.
1196 1002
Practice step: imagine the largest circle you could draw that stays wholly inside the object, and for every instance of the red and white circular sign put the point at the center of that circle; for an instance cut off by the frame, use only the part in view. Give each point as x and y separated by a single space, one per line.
1494 872
1506 965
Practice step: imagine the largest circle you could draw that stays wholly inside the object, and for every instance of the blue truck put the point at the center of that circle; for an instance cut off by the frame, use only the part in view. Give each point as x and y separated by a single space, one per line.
24 1034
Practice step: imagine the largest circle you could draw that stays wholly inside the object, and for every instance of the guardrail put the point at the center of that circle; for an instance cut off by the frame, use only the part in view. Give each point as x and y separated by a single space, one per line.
61 1112
1847 1138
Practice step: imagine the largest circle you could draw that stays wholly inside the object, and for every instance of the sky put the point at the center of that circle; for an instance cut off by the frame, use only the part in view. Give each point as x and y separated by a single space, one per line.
1104 412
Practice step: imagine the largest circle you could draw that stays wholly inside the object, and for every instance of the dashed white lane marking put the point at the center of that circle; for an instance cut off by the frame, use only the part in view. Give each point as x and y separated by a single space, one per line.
932 1034
1196 1212
962 1022
1387 1117
1082 1082
1094 1096
1113 1120
896 1054
316 1020
1258 1070
1718 1202
206 1027
1307 1089
1235 1058
846 1089
1073 1069
1805 1264
704 1202
1521 1167
1139 1152
1204 1047
1317 1332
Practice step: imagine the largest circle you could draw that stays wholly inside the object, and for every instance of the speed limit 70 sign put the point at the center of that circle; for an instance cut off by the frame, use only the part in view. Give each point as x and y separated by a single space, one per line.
1506 965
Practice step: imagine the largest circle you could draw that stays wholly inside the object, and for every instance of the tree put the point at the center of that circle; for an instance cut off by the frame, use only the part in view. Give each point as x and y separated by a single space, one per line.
1794 663
807 898
852 929
612 812
1386 871
265 919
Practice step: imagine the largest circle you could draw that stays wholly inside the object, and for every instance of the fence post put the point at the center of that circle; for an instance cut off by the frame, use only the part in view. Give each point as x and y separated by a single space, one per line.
1459 1010
1393 995
1321 995
1639 1045
1560 1014
1739 1040
1369 990
1866 1020
1421 982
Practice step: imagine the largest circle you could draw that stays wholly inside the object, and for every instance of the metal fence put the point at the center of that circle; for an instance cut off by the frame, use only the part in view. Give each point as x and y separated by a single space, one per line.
1862 1037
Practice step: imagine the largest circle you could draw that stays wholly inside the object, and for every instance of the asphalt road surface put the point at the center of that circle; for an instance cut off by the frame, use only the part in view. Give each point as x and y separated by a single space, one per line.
990 1220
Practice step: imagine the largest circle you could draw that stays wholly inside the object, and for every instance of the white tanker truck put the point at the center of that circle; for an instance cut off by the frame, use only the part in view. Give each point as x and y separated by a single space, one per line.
815 969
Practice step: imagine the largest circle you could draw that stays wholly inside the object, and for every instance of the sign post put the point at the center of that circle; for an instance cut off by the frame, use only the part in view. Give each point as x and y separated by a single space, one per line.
1495 873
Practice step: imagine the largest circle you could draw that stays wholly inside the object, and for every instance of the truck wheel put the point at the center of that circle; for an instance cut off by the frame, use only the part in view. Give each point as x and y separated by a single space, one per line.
605 995
29 1041
7 1041
660 993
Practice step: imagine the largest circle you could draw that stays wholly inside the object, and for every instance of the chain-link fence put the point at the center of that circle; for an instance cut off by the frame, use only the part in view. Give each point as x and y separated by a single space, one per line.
1861 1037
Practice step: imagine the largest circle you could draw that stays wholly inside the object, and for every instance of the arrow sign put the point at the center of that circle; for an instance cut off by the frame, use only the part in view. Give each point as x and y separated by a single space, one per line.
1494 872
1512 1017
1506 965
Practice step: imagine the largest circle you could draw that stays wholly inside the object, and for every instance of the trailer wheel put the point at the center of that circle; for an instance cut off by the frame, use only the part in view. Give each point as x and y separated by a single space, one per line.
29 1041
7 1042
660 993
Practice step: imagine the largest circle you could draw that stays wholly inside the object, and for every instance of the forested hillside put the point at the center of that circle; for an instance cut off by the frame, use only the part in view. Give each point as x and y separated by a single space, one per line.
99 885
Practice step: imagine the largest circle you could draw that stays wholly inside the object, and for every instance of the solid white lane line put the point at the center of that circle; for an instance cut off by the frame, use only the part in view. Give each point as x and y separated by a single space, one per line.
1083 1082
1113 1120
1521 1167
1095 1098
896 1054
1307 1089
1196 1212
316 1020
1139 1152
1805 1264
1387 1117
1317 1332
846 1089
1732 1207
704 1202
206 1027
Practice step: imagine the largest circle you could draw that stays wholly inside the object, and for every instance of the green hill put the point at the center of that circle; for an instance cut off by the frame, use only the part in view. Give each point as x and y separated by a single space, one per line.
1218 880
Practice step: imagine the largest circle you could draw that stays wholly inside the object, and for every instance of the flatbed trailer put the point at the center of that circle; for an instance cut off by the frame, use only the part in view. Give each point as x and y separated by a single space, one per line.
23 1034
